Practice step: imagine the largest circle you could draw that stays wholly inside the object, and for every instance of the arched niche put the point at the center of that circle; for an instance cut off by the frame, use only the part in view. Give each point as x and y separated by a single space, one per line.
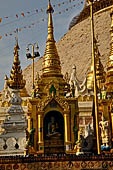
53 132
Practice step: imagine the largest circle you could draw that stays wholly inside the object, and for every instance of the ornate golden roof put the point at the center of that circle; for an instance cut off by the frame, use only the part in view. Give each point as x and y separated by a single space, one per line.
100 73
109 74
16 78
51 61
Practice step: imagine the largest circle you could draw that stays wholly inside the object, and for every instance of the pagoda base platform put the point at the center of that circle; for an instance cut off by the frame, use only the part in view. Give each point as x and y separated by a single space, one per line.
58 161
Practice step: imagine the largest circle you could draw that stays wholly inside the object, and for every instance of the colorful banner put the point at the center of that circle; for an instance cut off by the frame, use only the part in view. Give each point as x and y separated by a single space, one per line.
28 13
39 21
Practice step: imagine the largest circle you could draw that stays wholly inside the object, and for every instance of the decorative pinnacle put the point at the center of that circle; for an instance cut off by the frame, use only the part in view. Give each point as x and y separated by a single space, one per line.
51 61
50 8
16 48
16 78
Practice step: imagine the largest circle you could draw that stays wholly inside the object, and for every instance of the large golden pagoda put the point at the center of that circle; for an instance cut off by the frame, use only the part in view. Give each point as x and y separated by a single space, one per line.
52 118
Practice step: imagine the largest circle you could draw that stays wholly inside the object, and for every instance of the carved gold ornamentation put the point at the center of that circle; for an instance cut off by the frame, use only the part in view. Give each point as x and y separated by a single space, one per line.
42 104
37 79
29 107
100 73
63 103
109 74
16 78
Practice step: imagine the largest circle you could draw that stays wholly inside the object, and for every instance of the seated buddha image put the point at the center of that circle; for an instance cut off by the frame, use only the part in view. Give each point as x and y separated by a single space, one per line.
53 127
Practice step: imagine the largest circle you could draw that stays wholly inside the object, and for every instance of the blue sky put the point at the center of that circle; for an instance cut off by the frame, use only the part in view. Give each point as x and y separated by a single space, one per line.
37 33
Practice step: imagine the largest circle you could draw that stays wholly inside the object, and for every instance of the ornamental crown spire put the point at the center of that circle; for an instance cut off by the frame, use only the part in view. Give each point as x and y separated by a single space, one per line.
16 78
51 61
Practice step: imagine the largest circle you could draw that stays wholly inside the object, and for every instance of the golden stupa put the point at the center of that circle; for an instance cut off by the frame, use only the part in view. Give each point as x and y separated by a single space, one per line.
100 73
16 78
51 61
50 112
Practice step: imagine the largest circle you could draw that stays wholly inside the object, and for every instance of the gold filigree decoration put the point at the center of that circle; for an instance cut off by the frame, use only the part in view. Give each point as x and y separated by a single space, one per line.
62 103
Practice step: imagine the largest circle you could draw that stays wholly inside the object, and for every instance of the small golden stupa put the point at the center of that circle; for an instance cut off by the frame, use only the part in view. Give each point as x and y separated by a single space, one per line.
16 78
100 73
51 61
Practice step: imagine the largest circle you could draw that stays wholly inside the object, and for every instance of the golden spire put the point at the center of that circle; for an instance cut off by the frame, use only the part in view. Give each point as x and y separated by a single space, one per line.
50 22
16 78
90 82
109 74
51 61
100 73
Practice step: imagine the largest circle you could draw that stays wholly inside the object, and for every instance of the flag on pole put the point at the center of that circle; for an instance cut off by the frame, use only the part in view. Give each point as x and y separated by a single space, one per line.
22 14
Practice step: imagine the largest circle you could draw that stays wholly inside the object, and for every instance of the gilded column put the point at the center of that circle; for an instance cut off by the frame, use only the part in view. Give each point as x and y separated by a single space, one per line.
29 123
94 76
72 122
40 132
67 131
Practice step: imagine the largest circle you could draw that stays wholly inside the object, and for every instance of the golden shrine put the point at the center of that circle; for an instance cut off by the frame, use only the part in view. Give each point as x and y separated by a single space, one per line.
50 113
53 111
57 108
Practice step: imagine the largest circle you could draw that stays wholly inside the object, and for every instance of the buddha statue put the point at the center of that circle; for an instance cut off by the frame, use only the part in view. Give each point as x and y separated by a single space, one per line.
52 127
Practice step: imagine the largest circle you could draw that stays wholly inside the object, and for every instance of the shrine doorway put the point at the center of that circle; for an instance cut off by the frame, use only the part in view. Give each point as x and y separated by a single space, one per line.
53 132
